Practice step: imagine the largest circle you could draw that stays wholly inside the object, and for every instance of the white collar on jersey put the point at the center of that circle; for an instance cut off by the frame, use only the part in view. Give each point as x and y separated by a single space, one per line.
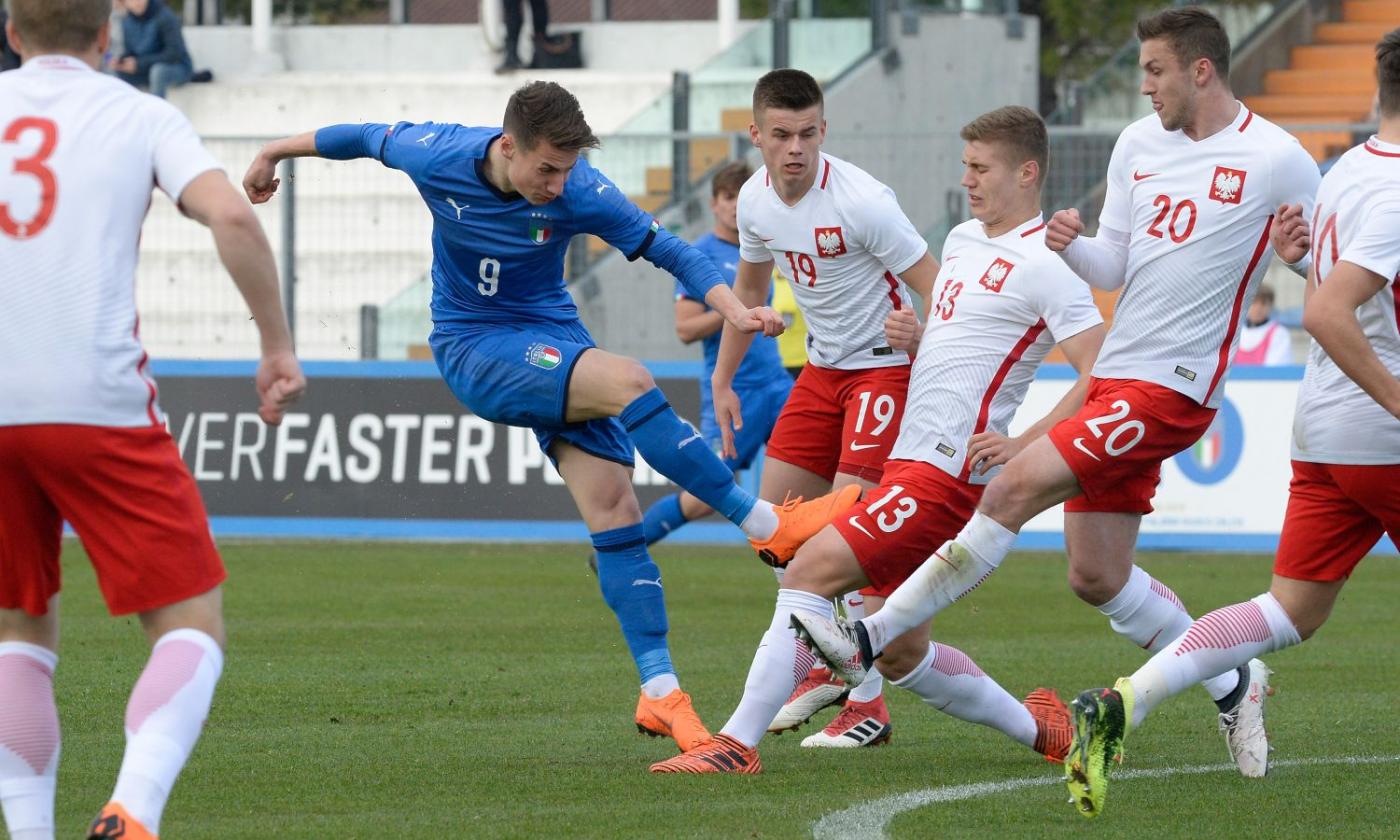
56 62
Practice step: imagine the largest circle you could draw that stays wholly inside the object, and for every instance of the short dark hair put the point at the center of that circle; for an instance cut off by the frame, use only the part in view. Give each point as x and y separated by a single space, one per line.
1388 73
1192 33
59 25
788 90
1264 294
730 179
546 111
1019 130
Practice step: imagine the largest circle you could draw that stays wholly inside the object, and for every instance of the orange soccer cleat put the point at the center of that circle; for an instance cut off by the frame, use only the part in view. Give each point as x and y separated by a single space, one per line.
799 521
671 716
1053 725
720 754
114 823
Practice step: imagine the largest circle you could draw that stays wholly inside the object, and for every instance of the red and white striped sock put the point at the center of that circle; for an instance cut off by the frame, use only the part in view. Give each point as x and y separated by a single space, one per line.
164 718
1218 642
29 739
948 680
1147 612
873 684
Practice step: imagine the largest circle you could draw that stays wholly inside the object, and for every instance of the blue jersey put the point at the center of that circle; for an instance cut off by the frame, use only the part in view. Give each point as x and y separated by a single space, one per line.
762 364
496 257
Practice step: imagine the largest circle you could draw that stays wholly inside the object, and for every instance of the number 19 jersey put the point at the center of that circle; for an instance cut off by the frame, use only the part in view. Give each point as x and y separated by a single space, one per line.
79 155
841 248
1198 216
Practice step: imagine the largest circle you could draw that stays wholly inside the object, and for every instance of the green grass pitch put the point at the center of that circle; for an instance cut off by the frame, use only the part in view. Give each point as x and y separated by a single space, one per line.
407 691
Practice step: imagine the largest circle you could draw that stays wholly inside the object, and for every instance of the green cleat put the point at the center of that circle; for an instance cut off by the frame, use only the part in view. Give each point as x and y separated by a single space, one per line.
1102 717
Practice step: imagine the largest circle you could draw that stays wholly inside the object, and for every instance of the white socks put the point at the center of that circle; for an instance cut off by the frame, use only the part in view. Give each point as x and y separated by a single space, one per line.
1218 643
953 571
29 740
761 523
164 718
874 684
660 686
1151 616
951 682
778 666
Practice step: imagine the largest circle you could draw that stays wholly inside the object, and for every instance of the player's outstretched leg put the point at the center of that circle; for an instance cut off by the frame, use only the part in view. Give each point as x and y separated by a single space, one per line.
777 666
164 719
632 588
676 450
29 739
1101 722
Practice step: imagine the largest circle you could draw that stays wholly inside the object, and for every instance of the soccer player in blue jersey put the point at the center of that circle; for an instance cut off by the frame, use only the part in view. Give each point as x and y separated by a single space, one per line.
760 381
507 338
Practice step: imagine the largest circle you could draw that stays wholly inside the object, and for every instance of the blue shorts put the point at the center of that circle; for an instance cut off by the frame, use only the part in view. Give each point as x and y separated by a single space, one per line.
518 374
761 406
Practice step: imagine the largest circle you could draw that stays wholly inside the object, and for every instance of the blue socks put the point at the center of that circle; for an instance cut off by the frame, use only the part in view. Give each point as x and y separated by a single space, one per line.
631 586
662 518
677 451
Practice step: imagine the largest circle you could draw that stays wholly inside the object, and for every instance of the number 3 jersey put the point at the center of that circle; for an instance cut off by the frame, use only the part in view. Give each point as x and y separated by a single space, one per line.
841 248
1357 220
1000 305
1198 215
79 155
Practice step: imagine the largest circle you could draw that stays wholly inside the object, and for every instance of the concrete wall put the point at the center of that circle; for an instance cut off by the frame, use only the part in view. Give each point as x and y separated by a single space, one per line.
896 115
623 47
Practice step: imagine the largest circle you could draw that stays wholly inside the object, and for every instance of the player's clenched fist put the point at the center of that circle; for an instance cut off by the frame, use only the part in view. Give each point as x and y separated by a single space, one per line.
761 319
261 181
1290 234
902 330
1062 229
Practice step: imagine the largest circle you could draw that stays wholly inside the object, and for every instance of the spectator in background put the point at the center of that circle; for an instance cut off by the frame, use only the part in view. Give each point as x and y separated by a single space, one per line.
9 59
154 57
515 22
1264 341
792 344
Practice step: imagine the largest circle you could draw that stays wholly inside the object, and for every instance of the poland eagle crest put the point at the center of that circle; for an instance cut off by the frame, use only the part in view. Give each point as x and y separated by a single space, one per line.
995 275
830 242
1227 185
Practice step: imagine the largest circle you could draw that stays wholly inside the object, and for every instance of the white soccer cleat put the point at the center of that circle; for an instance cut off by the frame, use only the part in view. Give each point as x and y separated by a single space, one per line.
839 643
820 689
859 725
1243 725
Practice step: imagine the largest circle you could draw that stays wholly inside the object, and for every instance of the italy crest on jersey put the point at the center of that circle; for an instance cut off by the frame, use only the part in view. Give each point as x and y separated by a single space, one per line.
830 242
995 275
1227 185
543 356
539 228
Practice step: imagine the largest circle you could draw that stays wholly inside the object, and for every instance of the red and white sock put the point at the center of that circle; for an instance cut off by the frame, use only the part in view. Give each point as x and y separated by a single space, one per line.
1149 614
873 684
29 740
780 663
948 680
164 717
1218 642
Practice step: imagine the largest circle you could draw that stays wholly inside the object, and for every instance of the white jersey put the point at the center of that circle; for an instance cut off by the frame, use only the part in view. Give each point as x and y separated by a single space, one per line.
1001 305
1357 220
1198 215
841 248
79 154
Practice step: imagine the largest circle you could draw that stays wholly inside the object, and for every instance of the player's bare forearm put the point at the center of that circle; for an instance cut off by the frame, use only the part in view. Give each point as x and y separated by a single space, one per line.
298 145
723 300
261 181
1329 315
920 277
733 344
1081 349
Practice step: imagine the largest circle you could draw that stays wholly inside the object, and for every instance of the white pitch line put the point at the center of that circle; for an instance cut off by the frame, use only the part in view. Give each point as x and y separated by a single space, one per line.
868 820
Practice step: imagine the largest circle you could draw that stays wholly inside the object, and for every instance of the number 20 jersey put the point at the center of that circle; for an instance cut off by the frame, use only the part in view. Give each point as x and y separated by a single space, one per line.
1198 215
841 248
79 155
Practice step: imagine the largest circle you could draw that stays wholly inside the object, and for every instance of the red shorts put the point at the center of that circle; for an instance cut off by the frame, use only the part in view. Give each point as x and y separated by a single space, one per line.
895 527
842 421
1336 513
130 499
1116 443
